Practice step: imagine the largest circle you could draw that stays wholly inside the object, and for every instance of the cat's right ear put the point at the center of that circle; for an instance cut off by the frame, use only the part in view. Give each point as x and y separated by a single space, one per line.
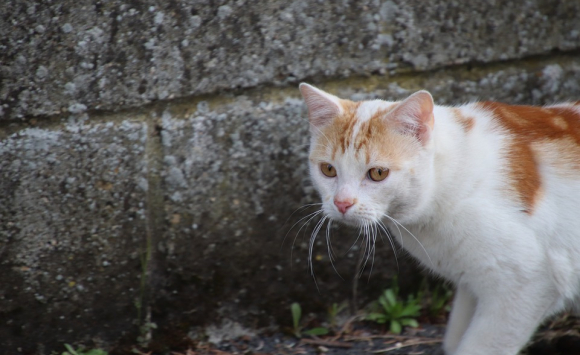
322 106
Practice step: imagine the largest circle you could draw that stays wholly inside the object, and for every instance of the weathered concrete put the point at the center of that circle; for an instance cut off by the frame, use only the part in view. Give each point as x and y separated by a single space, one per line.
194 198
174 209
69 56
72 206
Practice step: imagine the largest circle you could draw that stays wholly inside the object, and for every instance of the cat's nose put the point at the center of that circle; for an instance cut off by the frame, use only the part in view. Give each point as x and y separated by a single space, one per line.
343 205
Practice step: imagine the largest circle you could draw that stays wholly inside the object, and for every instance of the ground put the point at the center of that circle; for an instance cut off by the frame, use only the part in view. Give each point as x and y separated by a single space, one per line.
560 336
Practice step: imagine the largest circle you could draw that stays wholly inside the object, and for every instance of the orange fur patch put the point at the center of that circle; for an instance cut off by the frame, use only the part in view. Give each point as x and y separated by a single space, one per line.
466 123
375 137
348 121
534 130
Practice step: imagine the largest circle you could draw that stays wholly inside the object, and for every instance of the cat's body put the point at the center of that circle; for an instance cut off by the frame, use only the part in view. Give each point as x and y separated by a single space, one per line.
488 194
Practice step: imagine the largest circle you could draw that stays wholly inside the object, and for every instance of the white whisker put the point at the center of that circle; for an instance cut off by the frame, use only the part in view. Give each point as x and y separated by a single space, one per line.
297 210
412 235
373 248
330 249
389 237
356 240
367 247
312 239
310 216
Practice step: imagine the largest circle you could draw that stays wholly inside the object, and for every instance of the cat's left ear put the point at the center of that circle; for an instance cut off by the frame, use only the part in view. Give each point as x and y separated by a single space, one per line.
416 115
322 106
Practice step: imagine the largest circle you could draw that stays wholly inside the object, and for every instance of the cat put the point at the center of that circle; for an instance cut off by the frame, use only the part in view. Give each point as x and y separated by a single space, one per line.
485 195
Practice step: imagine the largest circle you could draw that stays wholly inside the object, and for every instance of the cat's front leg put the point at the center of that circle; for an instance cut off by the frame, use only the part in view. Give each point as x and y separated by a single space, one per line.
461 314
505 319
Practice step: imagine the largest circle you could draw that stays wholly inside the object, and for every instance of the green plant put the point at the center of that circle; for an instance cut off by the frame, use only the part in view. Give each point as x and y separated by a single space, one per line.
334 311
439 299
397 312
145 331
297 327
81 351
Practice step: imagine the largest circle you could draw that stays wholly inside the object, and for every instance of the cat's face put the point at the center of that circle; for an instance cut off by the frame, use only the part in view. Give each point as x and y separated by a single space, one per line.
372 158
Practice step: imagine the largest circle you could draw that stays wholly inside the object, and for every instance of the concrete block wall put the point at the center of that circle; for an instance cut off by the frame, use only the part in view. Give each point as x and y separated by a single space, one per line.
152 153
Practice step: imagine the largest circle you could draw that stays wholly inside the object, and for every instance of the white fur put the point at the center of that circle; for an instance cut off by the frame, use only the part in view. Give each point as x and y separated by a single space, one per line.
511 269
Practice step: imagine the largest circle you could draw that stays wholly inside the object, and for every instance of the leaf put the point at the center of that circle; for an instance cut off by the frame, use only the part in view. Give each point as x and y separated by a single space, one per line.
70 349
410 322
385 304
377 317
396 327
396 310
96 352
317 331
296 314
410 310
391 297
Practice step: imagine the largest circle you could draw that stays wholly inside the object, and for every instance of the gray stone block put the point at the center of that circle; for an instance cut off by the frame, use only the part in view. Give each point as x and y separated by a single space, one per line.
72 233
69 56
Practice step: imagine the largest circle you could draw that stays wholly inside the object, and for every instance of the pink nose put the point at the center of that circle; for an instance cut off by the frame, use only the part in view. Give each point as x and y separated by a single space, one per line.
343 205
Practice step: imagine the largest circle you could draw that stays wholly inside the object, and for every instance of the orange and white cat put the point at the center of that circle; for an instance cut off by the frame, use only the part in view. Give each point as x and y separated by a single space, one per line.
486 195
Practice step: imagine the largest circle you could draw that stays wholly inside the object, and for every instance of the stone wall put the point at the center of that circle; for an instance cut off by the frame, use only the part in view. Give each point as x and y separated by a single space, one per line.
152 153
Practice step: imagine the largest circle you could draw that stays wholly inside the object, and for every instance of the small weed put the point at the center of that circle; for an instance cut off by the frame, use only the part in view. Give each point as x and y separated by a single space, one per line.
146 333
439 300
81 351
334 311
297 327
399 313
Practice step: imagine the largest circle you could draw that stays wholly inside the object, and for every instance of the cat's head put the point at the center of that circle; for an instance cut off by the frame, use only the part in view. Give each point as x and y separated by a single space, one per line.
371 158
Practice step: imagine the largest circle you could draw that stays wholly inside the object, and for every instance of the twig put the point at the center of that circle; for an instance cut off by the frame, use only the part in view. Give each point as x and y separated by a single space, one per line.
387 336
345 327
330 343
411 343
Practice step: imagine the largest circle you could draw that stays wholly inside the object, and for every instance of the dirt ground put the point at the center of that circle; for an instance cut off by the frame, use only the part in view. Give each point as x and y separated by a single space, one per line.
558 337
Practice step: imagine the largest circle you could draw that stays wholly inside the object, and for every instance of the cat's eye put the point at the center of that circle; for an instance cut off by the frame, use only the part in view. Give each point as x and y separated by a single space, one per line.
378 174
328 170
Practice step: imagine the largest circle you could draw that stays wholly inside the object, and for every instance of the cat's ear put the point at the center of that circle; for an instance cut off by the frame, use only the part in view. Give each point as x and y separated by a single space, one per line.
322 106
416 115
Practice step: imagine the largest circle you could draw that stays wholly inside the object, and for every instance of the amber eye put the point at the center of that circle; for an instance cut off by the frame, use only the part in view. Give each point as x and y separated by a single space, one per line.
378 174
328 170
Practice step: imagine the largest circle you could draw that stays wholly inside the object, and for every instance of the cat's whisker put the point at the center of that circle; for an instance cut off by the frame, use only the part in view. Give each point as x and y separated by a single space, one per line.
367 246
331 252
298 210
374 245
330 249
310 217
362 250
412 235
355 241
400 234
312 240
390 238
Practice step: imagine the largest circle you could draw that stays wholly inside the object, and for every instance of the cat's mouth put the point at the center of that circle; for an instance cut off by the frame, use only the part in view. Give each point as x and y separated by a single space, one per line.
350 219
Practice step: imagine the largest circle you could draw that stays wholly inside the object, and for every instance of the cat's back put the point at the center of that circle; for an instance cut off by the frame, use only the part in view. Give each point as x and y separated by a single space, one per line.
537 149
548 135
